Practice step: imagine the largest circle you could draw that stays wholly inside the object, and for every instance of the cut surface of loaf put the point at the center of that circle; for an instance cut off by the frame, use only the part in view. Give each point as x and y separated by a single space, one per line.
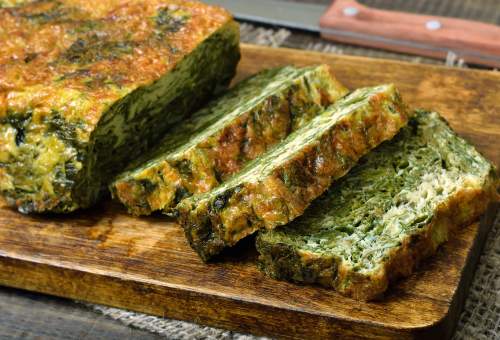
394 208
87 86
276 187
221 138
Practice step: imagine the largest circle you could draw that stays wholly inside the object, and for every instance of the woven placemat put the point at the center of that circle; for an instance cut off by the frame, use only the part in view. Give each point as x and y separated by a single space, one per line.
481 316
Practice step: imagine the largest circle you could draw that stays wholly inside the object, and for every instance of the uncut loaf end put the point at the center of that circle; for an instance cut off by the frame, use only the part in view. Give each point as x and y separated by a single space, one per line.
94 84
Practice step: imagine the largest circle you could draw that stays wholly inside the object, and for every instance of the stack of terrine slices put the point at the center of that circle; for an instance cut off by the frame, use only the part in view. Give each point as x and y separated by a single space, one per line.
348 190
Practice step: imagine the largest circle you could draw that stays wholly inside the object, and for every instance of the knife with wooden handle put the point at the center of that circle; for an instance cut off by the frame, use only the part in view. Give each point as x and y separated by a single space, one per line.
351 22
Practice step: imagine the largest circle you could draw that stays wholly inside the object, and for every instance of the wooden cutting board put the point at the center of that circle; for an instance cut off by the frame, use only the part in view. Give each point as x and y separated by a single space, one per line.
102 255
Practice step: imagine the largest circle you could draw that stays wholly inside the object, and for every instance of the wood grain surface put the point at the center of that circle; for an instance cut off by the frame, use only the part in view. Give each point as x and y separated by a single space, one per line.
103 255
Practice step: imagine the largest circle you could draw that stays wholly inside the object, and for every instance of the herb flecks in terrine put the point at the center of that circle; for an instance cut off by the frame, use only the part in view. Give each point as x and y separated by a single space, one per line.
276 187
393 209
87 86
221 138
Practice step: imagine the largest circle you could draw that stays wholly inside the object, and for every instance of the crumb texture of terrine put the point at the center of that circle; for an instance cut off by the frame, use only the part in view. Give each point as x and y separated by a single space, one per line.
393 209
221 138
87 86
276 187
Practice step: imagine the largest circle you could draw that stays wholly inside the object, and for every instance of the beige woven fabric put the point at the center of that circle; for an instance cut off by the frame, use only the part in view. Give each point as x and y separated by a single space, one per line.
481 316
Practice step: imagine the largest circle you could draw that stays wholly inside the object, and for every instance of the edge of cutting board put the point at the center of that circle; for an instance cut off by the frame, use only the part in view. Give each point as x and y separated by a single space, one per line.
69 280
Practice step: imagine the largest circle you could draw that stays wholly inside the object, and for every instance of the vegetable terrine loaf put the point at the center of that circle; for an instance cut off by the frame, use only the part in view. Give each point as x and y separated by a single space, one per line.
276 187
393 209
86 86
219 139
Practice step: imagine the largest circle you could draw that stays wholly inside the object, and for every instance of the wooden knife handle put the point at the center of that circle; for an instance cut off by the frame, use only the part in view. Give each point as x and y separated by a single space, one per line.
350 22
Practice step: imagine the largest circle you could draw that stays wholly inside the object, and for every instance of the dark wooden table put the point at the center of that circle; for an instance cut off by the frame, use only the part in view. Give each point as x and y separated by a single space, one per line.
36 316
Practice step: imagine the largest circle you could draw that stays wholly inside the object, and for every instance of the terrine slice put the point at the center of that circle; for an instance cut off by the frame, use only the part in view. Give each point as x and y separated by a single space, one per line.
87 86
276 187
393 209
221 138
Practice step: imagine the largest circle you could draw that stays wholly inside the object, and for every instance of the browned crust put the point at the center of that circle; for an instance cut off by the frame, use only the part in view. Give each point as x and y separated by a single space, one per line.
126 21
